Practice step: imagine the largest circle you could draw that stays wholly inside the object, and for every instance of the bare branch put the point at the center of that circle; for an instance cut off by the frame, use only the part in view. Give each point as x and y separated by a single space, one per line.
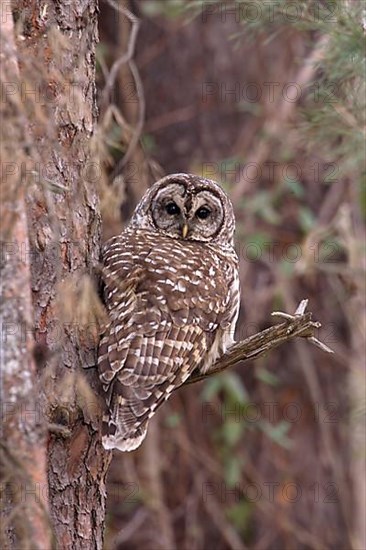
127 56
297 325
141 119
282 114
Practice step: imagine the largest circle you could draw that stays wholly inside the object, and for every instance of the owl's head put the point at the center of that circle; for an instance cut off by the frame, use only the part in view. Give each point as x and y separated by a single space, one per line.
185 206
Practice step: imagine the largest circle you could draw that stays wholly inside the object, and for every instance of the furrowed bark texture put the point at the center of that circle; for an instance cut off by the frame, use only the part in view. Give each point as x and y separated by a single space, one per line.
24 491
57 42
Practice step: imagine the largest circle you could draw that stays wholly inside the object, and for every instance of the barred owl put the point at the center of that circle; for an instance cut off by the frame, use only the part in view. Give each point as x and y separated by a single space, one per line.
172 295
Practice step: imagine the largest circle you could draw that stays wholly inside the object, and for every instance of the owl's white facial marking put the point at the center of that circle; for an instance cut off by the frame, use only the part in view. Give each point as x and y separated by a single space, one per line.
187 207
187 213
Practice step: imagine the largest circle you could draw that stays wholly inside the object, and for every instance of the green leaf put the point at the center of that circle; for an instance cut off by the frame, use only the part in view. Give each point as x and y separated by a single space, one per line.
235 388
262 204
171 9
148 142
173 420
233 471
295 186
267 377
232 432
255 243
306 219
240 514
211 388
287 268
277 432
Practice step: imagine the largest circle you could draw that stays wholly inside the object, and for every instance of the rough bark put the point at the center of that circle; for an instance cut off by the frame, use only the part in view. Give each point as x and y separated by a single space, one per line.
56 52
23 458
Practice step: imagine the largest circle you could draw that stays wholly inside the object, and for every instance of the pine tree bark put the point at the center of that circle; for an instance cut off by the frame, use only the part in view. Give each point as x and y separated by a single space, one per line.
24 488
56 178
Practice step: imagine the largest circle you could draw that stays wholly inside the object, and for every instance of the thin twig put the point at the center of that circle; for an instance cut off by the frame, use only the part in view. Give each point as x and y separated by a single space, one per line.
140 122
127 56
297 325
282 114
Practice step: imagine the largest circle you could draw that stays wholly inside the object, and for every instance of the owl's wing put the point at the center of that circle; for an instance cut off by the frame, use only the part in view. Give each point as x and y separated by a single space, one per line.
159 333
148 368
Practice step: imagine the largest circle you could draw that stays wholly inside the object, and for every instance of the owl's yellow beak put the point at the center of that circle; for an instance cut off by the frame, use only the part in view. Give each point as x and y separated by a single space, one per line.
184 230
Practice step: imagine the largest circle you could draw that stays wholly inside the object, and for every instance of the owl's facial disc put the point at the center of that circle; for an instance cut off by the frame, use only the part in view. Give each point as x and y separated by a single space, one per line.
183 213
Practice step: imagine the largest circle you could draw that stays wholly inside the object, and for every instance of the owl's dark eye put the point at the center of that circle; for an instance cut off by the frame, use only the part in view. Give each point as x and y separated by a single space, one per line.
172 209
203 213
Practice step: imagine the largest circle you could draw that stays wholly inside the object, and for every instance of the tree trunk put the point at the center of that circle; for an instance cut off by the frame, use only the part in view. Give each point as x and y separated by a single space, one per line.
23 457
53 101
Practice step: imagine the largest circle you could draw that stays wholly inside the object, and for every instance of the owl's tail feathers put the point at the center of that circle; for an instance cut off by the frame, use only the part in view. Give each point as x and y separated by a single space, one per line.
115 438
129 411
121 440
126 420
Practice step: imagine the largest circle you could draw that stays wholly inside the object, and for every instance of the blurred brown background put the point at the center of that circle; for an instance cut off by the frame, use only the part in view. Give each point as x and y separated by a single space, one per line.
269 455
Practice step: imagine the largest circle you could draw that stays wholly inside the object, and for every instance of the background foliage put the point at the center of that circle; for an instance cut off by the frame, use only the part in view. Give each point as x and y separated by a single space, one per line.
269 99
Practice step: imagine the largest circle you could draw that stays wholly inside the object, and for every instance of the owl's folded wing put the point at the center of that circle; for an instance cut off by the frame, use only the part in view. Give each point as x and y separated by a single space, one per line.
167 318
143 375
